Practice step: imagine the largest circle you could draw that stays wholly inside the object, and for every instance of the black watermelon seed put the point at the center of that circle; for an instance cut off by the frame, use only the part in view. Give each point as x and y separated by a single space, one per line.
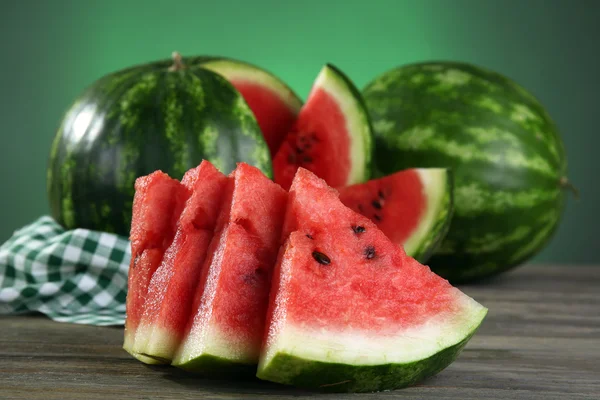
309 236
307 159
321 258
358 229
291 158
376 204
377 217
370 252
360 208
380 193
299 150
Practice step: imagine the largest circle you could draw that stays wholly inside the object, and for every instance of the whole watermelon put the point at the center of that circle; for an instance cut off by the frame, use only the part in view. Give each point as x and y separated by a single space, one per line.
160 116
507 156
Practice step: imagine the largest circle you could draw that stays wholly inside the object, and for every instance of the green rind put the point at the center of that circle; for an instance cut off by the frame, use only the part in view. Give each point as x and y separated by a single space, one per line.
503 147
439 229
133 122
210 365
364 129
340 378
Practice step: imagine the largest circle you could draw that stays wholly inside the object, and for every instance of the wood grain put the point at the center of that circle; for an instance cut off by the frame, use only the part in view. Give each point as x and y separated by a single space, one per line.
541 340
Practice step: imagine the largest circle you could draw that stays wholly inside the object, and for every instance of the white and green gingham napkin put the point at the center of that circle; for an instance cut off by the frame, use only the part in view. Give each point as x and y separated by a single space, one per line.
77 276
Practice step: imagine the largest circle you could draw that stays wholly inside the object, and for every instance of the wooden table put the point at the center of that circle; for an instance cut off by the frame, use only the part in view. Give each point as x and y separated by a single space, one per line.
541 340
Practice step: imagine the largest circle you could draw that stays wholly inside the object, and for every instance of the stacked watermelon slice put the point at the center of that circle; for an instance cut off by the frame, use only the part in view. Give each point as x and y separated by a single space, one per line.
233 274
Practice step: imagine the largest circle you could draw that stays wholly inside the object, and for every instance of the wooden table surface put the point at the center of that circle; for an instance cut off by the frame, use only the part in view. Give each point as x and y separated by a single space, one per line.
541 340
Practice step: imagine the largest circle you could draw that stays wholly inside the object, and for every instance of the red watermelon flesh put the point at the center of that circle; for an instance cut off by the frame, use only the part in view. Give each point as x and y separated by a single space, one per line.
404 190
331 137
412 207
274 116
228 318
348 305
173 285
157 204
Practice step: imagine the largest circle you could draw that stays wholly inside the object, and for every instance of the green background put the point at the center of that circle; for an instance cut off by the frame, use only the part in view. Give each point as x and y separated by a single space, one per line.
52 49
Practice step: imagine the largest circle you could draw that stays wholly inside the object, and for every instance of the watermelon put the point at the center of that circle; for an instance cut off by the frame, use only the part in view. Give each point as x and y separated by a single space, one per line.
349 310
331 136
171 291
138 120
226 326
273 103
411 207
508 160
157 203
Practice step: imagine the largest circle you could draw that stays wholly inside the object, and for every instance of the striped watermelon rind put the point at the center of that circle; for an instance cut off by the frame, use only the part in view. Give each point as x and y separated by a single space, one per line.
114 134
434 225
360 378
505 151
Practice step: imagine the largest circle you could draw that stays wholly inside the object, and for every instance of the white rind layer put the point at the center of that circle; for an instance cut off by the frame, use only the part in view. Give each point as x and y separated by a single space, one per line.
435 184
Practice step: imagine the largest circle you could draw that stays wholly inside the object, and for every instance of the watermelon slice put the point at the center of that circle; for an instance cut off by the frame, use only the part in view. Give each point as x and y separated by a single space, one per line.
412 207
273 103
172 288
157 203
349 310
331 137
227 323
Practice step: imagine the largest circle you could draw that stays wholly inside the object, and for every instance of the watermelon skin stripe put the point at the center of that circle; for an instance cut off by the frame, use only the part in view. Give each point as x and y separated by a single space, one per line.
364 378
113 134
507 158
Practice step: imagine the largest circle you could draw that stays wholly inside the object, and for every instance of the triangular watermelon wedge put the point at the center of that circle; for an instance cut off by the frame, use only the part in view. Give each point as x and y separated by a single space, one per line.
157 204
332 135
349 310
412 207
225 329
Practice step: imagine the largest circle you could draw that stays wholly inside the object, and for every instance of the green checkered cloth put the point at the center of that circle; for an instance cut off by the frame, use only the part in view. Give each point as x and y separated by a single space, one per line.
77 276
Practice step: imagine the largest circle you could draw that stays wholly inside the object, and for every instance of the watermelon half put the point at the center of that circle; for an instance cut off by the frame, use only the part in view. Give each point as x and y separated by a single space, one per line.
412 207
349 310
331 137
273 103
226 326
157 204
171 291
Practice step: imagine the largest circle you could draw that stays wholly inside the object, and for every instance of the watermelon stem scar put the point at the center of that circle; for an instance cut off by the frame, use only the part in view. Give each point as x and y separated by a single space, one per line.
566 184
178 64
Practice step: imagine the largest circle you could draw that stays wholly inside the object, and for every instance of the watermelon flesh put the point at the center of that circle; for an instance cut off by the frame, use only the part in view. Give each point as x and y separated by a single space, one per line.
171 291
157 203
349 310
273 103
412 207
228 316
331 137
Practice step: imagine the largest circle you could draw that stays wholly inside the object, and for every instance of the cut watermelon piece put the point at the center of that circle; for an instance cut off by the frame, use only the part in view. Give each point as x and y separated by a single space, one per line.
157 203
171 291
412 207
349 310
273 103
227 324
331 137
